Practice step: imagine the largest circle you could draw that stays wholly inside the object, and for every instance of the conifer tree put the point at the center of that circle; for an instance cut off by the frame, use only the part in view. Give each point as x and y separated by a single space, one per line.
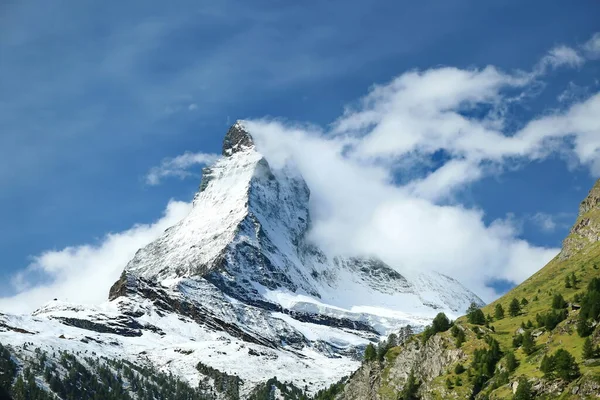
565 366
409 392
511 362
392 340
499 311
588 349
528 343
440 323
514 308
449 384
523 390
475 315
558 302
460 338
370 353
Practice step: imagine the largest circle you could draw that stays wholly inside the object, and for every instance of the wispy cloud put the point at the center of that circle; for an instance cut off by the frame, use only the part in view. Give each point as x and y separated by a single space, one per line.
558 57
178 166
549 223
84 273
546 222
592 47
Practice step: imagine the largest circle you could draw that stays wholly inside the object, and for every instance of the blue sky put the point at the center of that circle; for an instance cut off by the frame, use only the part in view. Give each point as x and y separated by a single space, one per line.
95 94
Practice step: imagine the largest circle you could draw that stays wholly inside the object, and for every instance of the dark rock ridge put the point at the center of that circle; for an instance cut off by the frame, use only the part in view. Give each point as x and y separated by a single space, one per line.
236 139
121 327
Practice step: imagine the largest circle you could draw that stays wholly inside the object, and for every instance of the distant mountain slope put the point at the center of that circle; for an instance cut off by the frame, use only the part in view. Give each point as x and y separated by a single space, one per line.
552 308
236 288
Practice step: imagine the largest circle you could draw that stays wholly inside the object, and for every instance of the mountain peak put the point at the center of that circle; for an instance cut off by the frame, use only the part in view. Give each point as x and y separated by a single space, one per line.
237 139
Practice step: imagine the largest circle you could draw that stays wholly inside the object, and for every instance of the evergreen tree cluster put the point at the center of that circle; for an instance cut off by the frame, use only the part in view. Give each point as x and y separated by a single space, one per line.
71 377
558 302
524 391
373 353
571 281
459 335
560 365
332 391
229 385
551 319
484 364
8 371
440 323
526 341
267 391
410 389
475 315
590 308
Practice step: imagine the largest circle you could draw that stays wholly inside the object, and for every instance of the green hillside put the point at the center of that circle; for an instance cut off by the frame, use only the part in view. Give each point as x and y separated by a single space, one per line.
540 340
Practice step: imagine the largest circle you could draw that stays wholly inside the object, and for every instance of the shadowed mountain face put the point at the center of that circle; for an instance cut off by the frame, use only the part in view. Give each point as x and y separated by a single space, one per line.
237 279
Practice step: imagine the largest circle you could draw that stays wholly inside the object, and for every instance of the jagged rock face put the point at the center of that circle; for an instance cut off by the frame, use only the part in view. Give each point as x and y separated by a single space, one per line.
592 201
586 229
236 139
427 361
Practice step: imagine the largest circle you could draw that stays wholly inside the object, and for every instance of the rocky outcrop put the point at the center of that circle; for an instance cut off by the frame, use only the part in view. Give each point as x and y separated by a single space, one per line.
375 381
586 229
236 139
586 387
364 384
592 201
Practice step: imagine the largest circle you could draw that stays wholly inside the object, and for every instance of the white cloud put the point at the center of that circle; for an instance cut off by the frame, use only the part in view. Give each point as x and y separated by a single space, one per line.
360 208
549 223
178 166
560 56
572 93
592 46
83 274
545 222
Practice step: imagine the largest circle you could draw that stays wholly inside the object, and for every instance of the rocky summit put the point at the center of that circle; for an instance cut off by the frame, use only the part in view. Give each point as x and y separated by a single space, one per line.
234 295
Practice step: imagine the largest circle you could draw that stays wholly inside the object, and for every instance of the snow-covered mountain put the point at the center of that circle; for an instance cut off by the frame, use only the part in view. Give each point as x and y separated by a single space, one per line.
237 286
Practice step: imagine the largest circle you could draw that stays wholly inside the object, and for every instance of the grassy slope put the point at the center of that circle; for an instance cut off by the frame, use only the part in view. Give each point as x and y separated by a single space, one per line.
545 284
539 290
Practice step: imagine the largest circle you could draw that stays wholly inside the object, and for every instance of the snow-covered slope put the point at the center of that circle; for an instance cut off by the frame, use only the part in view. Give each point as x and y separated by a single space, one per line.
237 286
